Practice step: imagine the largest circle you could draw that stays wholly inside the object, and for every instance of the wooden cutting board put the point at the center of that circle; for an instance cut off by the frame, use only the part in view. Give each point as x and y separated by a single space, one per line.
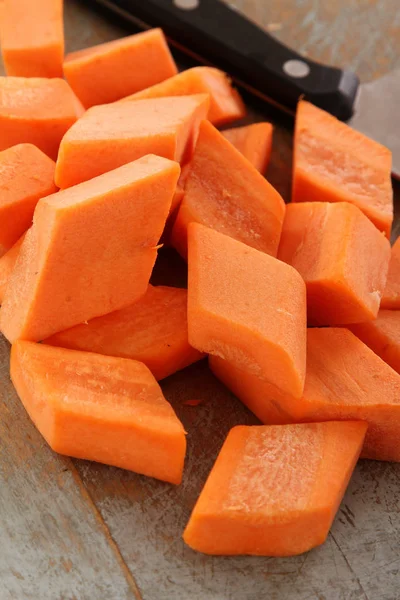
76 530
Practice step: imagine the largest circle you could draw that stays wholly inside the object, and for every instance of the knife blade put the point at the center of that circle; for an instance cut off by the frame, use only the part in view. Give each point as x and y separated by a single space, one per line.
214 33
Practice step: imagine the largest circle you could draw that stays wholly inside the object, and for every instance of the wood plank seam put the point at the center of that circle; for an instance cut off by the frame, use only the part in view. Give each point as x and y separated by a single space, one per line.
107 534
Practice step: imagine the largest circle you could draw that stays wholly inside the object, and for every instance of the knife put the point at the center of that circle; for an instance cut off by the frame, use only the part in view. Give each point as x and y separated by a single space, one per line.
214 33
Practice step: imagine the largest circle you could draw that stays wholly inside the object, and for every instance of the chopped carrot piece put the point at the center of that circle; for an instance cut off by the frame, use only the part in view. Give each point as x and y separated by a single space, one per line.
37 111
254 142
90 251
274 491
112 135
110 71
383 336
153 330
335 163
100 408
226 104
237 201
247 307
341 256
26 175
32 38
345 380
177 199
7 264
265 400
175 204
391 294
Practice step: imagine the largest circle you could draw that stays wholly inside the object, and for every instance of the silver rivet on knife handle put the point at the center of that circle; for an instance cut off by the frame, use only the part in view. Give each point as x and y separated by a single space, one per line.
187 4
296 68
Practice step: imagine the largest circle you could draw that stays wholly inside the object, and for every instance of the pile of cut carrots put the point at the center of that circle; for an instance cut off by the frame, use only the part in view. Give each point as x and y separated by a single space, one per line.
297 306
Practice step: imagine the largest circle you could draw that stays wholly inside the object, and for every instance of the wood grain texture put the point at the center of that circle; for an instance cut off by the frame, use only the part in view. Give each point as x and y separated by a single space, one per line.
54 543
57 546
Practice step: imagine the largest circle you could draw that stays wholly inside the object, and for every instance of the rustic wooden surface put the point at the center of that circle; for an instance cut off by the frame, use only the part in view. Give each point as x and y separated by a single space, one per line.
77 530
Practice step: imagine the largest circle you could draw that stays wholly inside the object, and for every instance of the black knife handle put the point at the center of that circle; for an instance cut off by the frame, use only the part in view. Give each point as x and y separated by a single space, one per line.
225 38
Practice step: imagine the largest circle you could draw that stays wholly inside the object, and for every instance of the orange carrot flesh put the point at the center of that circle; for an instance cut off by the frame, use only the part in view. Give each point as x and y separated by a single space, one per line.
100 408
226 104
37 111
109 136
177 199
274 491
175 204
265 400
98 75
335 163
383 336
153 330
247 307
391 294
32 38
341 256
26 175
7 264
345 380
254 142
237 201
90 251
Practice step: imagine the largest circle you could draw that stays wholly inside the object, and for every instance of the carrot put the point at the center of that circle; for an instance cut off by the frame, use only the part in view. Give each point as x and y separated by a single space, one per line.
100 408
345 380
175 204
265 400
335 163
254 142
383 336
391 294
341 256
226 104
7 264
274 491
32 38
37 111
177 199
99 74
225 192
239 308
90 251
26 175
109 136
153 330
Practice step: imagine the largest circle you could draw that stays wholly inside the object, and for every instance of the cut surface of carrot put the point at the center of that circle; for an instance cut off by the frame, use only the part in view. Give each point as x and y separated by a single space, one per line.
99 74
153 330
226 104
391 294
254 142
90 251
109 136
100 408
36 110
335 163
274 491
247 307
345 380
342 257
237 201
383 336
32 38
7 264
26 175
